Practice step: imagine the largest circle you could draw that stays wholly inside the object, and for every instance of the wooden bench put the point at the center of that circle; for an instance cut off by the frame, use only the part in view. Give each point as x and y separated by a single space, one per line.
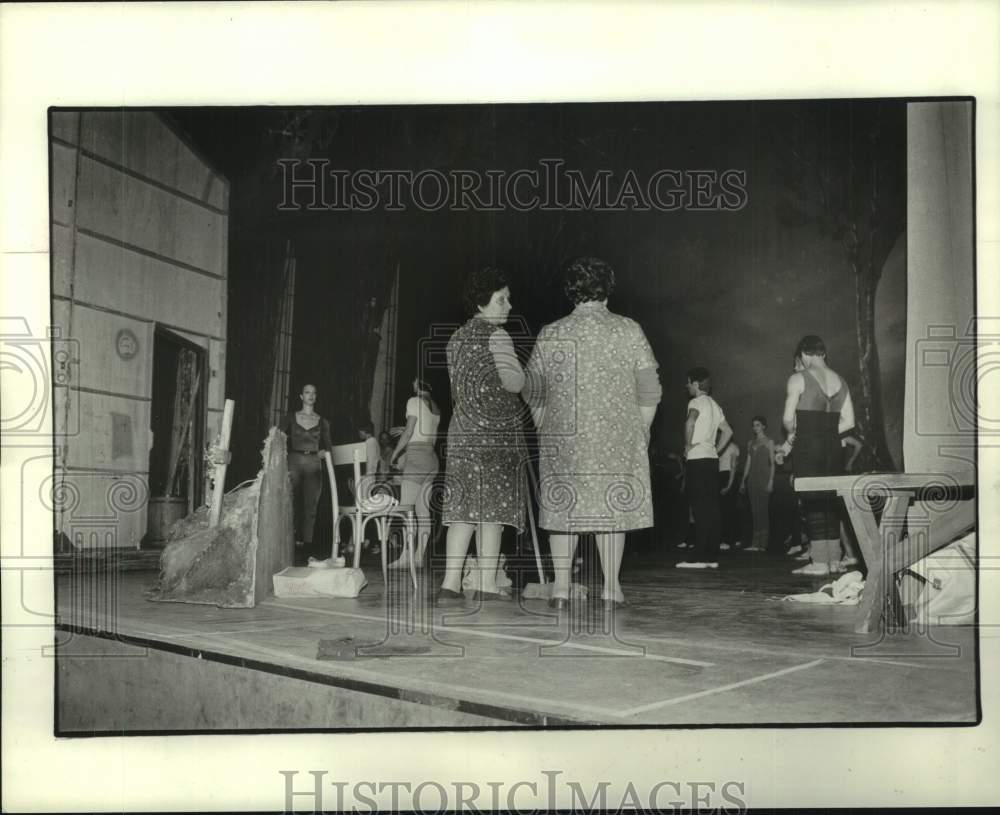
932 508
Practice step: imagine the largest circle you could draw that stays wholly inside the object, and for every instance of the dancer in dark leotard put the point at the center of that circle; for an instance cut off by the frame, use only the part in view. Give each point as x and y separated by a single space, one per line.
758 483
818 409
308 442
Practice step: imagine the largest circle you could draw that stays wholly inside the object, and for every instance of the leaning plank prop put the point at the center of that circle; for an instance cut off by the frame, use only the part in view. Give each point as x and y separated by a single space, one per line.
225 554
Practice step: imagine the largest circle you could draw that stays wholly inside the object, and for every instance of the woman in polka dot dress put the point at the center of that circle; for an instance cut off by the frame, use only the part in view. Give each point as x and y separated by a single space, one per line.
593 391
485 479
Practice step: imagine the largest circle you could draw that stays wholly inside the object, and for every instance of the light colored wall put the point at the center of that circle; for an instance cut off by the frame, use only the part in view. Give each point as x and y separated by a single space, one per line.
139 231
940 414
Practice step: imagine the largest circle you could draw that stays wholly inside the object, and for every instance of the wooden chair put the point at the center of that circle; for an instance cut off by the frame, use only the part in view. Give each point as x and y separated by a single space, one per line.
934 508
365 487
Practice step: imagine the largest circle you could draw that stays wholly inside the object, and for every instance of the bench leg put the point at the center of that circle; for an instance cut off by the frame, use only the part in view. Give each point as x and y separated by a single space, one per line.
866 531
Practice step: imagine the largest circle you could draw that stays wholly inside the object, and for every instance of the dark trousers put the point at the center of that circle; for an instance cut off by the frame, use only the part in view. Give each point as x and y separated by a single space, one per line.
729 508
703 493
306 472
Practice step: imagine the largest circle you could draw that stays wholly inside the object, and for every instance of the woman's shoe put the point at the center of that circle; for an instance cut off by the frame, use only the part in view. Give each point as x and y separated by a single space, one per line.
491 595
402 562
447 598
611 601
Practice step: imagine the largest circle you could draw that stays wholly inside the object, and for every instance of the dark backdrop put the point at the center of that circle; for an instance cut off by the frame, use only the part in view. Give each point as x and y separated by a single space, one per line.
733 291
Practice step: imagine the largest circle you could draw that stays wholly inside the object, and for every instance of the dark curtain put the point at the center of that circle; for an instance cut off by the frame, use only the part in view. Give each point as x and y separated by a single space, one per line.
342 289
256 285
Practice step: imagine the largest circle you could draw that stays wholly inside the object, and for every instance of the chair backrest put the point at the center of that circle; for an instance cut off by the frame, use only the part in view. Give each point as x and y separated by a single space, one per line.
365 483
345 453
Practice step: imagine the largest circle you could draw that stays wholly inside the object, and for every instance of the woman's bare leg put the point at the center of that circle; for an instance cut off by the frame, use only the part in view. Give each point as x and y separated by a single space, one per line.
456 548
611 547
488 548
562 547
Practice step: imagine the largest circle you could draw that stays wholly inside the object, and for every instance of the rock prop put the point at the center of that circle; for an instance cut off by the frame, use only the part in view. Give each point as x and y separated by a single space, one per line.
230 565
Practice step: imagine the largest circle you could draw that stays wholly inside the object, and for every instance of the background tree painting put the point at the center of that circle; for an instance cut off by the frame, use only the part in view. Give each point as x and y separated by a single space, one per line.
846 174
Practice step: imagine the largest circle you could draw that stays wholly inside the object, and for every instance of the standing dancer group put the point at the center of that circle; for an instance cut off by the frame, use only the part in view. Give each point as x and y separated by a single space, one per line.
592 389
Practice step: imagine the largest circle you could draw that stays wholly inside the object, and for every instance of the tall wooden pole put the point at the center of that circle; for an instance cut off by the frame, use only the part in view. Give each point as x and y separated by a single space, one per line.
534 532
220 469
334 505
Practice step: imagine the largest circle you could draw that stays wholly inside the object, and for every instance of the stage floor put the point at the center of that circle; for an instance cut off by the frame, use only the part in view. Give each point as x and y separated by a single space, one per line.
690 649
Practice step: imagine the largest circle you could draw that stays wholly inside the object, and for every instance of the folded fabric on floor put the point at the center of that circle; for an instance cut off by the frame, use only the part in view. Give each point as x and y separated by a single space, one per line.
845 591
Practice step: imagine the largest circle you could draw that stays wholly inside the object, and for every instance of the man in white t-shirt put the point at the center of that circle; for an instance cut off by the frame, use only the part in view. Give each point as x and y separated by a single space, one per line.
706 432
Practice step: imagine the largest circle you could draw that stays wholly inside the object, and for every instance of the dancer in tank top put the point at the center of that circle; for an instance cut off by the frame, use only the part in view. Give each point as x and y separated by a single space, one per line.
818 409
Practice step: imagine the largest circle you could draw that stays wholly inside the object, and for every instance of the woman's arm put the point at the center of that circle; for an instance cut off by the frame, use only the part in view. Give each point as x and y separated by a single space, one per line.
648 393
325 442
746 466
404 438
505 358
855 445
286 428
792 393
534 391
725 434
692 419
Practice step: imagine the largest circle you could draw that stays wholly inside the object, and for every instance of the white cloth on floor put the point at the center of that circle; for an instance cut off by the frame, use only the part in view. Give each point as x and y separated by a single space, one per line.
845 591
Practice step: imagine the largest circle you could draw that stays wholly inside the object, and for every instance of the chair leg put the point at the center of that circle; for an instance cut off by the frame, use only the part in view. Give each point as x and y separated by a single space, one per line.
358 531
410 525
382 527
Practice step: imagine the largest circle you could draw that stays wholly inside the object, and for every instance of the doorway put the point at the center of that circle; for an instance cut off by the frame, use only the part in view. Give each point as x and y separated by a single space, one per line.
177 419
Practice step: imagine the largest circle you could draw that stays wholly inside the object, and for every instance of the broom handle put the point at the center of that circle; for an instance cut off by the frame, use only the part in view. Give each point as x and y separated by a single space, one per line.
220 469
531 521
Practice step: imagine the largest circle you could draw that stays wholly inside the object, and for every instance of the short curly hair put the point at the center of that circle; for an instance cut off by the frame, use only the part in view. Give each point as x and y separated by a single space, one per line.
588 279
811 345
480 286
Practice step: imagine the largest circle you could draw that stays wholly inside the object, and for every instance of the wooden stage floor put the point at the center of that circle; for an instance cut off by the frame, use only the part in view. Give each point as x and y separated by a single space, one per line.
691 649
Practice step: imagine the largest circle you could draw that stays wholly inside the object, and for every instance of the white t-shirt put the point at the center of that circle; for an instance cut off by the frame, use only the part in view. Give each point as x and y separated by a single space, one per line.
729 458
706 427
426 427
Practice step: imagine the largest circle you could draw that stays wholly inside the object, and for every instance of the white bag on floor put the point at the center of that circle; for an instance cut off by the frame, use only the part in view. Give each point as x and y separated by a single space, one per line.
949 595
